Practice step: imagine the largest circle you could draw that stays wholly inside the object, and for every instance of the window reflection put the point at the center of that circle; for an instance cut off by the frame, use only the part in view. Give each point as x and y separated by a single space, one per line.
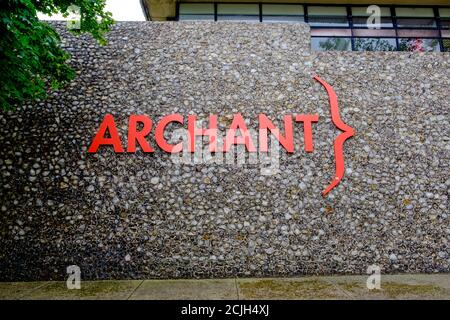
331 44
418 45
375 44
446 44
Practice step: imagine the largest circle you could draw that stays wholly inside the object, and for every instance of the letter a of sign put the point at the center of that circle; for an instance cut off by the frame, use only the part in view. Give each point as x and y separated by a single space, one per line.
108 124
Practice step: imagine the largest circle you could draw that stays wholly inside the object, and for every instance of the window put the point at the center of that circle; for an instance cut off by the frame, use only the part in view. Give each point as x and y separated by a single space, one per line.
415 18
418 44
362 11
331 44
238 12
282 13
444 13
375 44
360 22
196 11
361 16
341 27
327 16
446 44
416 23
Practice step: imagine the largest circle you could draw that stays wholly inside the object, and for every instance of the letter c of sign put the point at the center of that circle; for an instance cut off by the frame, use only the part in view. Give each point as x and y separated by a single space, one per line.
159 133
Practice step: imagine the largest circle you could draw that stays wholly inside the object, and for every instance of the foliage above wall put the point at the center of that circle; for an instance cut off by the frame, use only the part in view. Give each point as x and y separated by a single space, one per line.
31 58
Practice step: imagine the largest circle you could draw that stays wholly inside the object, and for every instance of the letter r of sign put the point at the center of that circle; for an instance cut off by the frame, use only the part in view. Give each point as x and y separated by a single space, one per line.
339 141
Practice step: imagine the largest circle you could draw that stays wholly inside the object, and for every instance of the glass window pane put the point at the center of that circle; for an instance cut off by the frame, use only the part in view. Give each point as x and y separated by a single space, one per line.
238 12
362 11
328 21
419 45
446 43
239 9
331 32
196 8
326 11
362 22
444 33
375 44
187 17
282 10
414 12
417 33
282 13
416 23
444 12
283 19
445 23
233 17
196 11
374 33
321 16
330 44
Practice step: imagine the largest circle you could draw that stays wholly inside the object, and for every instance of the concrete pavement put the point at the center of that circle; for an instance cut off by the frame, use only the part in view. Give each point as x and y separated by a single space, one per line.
411 286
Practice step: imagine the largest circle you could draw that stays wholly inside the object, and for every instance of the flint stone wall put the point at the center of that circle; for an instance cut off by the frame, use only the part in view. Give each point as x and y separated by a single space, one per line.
141 216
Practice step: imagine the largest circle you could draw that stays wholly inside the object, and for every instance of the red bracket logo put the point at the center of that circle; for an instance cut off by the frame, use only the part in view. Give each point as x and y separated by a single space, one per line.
339 141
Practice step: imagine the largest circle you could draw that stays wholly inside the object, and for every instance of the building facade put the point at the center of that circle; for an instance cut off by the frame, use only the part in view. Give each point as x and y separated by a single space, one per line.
144 215
140 213
335 25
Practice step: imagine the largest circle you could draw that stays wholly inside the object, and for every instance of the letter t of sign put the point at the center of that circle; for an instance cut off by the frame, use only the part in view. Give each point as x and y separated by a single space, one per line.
307 120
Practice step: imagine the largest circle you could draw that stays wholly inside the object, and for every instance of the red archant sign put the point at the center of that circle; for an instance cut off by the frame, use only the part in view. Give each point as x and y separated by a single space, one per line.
286 140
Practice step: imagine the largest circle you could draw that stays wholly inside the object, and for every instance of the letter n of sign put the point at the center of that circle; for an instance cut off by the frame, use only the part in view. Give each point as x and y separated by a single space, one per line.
339 141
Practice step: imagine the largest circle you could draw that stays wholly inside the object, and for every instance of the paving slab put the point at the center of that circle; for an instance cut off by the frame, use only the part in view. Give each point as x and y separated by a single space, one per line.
288 288
395 286
90 290
208 289
16 290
